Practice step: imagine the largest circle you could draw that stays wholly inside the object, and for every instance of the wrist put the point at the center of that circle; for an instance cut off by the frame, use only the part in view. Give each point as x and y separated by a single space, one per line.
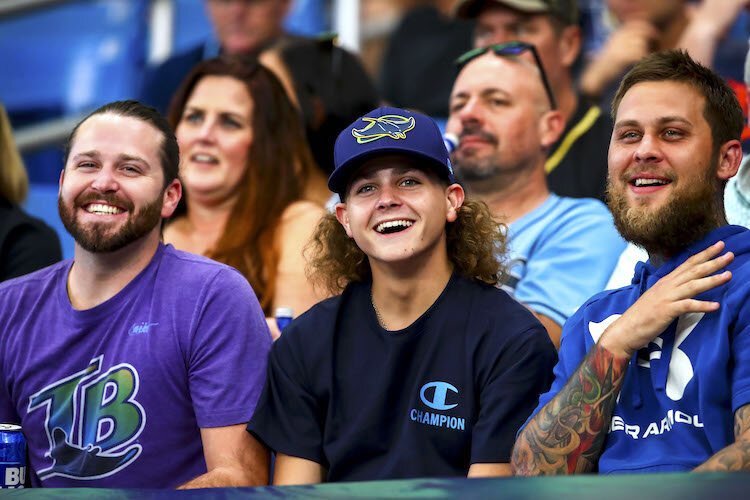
614 341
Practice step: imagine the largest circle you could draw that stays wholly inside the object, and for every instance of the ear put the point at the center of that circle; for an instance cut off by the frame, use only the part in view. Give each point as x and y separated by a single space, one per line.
730 157
343 217
570 45
60 181
551 126
454 198
171 198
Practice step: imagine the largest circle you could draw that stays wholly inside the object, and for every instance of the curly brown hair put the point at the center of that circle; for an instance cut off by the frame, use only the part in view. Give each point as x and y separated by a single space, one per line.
476 247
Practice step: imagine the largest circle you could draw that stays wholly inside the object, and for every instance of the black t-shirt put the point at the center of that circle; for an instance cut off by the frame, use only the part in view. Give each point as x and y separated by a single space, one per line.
26 243
578 160
450 390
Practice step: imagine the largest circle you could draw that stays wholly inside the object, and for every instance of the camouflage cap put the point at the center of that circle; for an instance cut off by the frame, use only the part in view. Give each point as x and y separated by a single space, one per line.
564 10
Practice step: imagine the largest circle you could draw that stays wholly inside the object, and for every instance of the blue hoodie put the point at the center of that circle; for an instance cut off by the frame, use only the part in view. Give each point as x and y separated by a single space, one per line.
677 403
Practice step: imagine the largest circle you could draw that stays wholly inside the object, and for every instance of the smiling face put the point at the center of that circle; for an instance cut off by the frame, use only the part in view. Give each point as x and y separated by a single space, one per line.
215 133
112 189
665 175
500 113
396 212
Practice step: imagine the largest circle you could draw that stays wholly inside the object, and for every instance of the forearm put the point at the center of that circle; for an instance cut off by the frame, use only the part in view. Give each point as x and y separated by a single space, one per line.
736 456
228 477
566 436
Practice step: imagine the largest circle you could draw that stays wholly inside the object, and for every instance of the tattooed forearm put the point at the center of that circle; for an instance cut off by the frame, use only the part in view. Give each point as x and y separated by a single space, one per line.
736 456
566 435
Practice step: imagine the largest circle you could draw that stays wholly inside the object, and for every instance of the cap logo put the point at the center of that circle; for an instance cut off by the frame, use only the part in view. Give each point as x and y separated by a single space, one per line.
393 126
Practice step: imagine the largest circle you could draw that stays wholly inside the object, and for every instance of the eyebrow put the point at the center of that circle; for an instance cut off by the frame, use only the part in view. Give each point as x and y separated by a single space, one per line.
661 121
222 112
397 170
483 93
120 158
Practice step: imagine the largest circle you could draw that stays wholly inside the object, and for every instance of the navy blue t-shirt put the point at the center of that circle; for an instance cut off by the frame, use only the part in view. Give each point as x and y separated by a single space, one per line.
450 390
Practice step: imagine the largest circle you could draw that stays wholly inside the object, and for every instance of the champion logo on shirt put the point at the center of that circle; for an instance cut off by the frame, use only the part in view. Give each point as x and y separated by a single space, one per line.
439 396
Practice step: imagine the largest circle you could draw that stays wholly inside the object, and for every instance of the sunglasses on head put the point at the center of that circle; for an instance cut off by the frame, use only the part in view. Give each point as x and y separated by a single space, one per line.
510 49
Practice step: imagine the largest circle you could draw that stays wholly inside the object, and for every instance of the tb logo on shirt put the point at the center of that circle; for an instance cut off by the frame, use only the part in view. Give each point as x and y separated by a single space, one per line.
680 366
92 420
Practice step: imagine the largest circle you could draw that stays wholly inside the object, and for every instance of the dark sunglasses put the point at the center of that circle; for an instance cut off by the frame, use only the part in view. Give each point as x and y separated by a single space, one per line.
510 49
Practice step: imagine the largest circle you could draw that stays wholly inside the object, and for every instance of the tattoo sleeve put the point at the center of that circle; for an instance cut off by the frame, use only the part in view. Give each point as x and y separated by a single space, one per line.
736 456
567 434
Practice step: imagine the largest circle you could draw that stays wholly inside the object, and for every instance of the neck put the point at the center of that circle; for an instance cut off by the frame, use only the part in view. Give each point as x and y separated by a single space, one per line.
97 277
402 293
513 195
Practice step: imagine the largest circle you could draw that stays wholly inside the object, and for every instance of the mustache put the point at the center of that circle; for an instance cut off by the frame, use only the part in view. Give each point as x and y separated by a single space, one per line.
476 131
88 197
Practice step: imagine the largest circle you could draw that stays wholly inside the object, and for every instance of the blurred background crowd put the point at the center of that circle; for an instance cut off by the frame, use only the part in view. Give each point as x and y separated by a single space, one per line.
336 59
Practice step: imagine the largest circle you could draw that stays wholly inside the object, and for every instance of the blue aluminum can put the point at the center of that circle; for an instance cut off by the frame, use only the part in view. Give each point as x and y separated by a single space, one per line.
12 456
283 317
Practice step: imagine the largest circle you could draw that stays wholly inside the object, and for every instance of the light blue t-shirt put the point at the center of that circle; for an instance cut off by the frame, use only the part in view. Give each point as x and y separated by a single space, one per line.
560 254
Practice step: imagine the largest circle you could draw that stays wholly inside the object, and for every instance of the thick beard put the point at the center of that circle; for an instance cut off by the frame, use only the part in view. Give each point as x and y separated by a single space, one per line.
95 239
687 217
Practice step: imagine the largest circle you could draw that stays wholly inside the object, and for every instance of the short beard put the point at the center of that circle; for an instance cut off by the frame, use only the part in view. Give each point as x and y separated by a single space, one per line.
685 219
95 239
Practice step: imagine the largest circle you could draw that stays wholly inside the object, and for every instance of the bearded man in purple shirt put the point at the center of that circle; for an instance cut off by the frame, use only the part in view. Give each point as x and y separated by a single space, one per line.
132 365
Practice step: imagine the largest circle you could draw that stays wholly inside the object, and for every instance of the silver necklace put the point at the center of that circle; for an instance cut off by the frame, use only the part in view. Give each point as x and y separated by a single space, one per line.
377 313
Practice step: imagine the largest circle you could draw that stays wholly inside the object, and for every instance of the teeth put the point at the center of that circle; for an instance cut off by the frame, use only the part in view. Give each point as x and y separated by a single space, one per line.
649 182
394 223
204 157
98 208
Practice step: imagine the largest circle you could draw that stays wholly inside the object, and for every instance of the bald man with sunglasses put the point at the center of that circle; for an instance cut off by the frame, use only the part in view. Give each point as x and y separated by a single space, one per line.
562 250
576 163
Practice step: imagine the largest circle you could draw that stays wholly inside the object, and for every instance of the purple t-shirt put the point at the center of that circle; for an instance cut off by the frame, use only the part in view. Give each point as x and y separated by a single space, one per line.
115 396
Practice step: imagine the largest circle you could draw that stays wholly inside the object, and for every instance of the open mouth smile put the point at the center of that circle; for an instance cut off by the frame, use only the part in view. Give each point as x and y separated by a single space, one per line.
394 226
102 209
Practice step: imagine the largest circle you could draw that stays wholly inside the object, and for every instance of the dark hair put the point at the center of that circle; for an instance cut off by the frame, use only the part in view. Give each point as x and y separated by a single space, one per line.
279 165
474 241
170 151
333 89
722 111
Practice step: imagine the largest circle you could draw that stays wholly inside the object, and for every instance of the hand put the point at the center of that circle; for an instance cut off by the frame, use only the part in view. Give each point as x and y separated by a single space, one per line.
671 297
717 16
626 46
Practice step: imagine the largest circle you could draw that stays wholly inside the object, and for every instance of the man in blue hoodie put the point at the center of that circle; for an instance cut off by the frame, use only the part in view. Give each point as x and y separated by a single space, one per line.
655 376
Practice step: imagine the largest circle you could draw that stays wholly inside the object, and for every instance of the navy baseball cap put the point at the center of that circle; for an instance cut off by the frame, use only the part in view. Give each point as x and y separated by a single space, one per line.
385 131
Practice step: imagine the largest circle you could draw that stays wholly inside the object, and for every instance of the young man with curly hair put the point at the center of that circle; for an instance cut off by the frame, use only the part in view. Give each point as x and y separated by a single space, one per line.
421 366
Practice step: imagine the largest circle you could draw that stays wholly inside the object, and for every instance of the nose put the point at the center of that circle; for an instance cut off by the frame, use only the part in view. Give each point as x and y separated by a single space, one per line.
388 197
206 131
471 112
105 181
648 150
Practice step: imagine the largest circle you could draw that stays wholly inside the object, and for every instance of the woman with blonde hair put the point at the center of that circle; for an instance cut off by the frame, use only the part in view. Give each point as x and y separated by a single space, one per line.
26 243
247 174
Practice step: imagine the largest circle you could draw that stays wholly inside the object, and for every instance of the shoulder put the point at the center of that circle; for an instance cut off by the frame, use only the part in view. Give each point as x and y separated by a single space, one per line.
299 220
33 283
302 211
492 306
188 269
